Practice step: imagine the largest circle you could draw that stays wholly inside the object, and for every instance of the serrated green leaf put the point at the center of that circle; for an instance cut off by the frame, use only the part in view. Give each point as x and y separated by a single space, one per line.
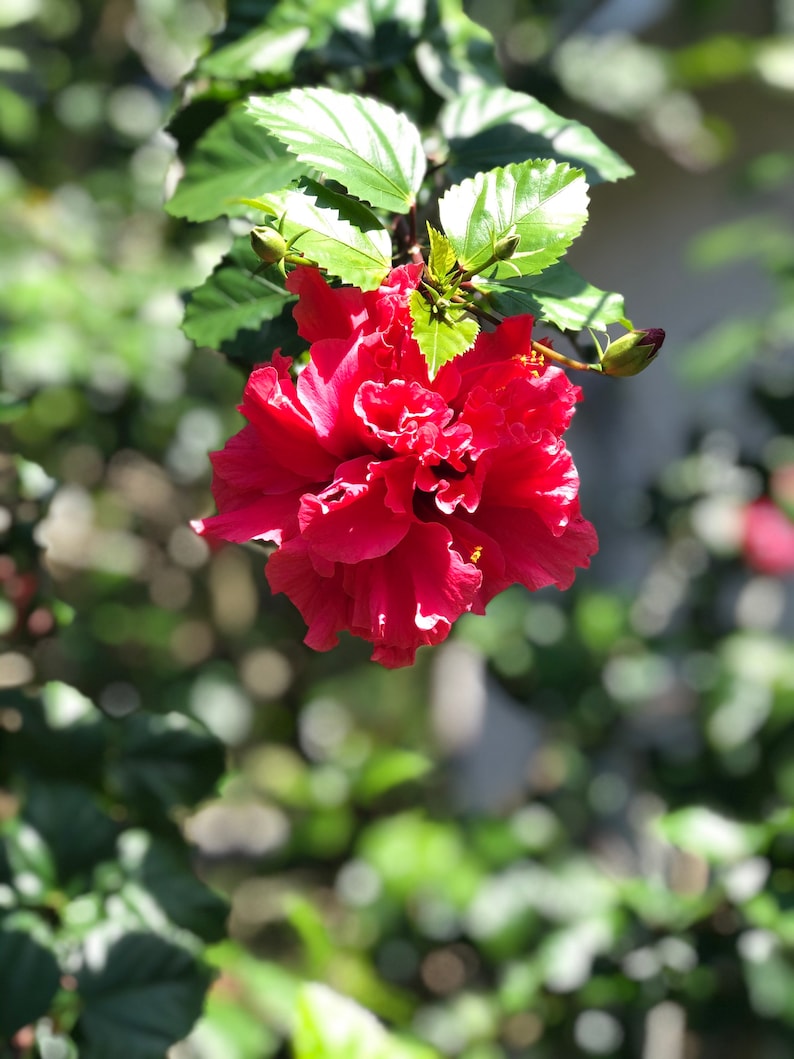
560 295
494 126
365 145
442 258
543 202
140 994
441 337
322 225
29 976
236 158
233 299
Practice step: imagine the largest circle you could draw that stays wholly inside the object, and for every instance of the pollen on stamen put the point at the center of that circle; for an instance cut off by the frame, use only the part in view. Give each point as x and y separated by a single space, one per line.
475 555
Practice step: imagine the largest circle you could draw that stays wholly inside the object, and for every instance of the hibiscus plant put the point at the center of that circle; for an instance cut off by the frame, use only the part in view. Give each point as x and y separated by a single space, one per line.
403 448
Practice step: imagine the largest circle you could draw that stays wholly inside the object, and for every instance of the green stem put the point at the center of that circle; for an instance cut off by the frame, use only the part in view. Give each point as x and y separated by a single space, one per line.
560 358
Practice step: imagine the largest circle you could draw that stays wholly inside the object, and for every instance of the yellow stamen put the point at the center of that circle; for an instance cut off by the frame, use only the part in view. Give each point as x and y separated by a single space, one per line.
475 555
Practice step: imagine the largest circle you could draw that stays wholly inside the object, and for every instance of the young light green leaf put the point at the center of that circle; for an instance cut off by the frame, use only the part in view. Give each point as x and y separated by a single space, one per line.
441 337
365 145
236 158
442 258
233 298
542 202
494 126
330 1026
560 295
326 228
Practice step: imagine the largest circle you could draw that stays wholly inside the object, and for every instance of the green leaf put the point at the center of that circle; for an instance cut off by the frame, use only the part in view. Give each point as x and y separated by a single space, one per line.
233 299
543 202
163 869
164 762
249 348
327 228
459 55
29 976
559 294
235 159
140 995
442 258
266 49
388 768
441 337
62 734
31 863
496 126
330 1026
372 150
76 831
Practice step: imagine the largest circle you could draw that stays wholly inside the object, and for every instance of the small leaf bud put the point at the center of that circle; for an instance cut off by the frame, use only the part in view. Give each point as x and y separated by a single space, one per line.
632 353
268 244
506 247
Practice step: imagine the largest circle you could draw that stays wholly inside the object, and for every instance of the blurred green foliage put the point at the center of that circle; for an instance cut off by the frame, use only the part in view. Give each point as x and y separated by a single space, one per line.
187 796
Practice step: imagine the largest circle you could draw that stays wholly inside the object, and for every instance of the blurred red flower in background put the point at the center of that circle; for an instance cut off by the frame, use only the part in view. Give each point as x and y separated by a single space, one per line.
397 502
767 538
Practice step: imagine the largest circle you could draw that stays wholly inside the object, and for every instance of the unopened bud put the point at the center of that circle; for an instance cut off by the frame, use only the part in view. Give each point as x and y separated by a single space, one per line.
506 247
632 353
268 244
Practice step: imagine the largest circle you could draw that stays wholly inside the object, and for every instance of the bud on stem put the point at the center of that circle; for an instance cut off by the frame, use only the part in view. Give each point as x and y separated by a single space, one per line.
631 353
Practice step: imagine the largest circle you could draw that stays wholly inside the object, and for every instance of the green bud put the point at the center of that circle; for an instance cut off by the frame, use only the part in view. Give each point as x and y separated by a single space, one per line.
506 247
632 353
268 244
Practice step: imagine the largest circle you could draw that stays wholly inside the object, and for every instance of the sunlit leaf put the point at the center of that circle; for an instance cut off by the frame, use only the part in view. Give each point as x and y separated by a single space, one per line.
441 335
341 236
442 258
330 1026
365 145
542 202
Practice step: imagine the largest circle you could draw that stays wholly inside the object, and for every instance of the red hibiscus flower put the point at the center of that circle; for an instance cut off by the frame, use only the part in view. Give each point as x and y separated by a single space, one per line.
768 538
397 502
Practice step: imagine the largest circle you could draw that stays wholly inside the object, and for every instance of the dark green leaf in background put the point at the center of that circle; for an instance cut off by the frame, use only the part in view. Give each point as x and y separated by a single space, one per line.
29 975
233 299
495 126
164 762
140 995
236 158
